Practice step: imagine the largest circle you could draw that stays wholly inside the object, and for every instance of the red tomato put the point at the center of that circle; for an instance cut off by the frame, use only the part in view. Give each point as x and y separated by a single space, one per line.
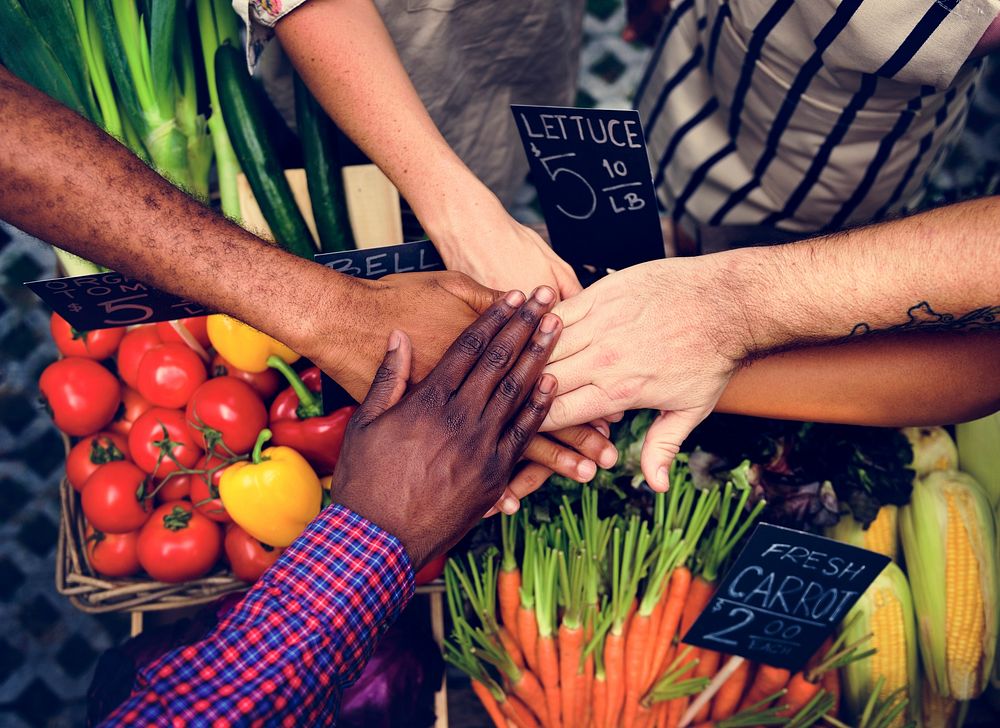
113 498
113 554
82 395
229 410
97 344
196 326
132 349
205 489
92 452
265 383
248 557
169 374
132 406
158 438
173 488
178 543
430 571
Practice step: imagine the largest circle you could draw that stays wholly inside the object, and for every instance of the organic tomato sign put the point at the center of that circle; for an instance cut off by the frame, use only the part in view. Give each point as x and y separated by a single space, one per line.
786 593
111 299
592 174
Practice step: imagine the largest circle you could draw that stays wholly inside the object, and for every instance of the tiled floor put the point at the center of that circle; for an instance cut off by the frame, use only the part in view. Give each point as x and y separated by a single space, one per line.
47 648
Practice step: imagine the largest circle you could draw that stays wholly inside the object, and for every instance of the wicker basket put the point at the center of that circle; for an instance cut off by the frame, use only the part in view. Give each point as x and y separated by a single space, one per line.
89 592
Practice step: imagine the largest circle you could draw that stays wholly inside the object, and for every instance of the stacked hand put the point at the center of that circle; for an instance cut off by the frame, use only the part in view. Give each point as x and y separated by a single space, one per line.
427 463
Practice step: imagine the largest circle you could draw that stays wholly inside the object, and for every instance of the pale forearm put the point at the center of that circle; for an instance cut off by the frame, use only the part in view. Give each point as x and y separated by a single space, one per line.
890 381
935 271
345 55
66 182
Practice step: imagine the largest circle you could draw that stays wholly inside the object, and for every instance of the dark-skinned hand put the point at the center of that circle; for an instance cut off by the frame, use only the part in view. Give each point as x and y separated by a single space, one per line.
433 308
426 464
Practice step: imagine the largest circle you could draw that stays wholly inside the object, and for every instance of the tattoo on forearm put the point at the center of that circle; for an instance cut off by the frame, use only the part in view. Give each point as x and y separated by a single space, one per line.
922 317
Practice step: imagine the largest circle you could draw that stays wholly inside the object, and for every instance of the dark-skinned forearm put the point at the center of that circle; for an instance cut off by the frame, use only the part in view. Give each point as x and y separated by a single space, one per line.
65 181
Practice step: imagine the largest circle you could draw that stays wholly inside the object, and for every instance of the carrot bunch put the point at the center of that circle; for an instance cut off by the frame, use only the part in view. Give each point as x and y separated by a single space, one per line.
580 624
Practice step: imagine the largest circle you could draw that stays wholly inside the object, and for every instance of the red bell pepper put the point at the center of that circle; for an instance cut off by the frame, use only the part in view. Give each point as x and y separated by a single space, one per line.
297 420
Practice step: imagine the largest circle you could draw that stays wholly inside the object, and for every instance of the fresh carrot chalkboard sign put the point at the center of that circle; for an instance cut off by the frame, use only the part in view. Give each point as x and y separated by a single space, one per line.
591 170
786 593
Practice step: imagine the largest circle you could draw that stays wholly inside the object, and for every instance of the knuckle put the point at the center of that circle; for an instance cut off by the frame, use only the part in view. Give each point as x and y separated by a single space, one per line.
535 349
608 357
509 388
383 374
625 390
471 343
496 315
454 422
528 315
497 356
518 434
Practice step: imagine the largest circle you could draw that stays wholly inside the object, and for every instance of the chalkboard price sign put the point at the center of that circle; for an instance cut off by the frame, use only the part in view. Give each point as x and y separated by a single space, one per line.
786 593
373 263
592 174
106 300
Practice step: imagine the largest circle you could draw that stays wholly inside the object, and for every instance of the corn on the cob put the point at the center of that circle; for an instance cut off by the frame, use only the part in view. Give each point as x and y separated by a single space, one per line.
979 452
886 612
881 536
933 449
937 711
949 543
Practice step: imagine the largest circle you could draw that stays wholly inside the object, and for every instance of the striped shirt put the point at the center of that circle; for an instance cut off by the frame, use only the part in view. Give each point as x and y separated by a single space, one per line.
806 116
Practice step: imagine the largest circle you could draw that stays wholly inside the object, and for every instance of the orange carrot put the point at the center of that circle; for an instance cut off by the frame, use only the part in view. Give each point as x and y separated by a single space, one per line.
509 579
510 646
768 681
680 583
614 665
800 692
526 686
570 646
490 703
600 701
831 683
548 672
636 657
698 597
675 710
585 687
527 631
508 588
705 724
518 712
662 711
708 666
725 701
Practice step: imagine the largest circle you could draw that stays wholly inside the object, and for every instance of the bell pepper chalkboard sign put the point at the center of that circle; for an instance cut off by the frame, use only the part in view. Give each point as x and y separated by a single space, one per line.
105 300
592 174
786 593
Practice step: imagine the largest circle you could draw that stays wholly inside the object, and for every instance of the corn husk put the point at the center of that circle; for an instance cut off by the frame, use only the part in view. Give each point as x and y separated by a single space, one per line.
881 536
933 449
979 452
937 592
861 678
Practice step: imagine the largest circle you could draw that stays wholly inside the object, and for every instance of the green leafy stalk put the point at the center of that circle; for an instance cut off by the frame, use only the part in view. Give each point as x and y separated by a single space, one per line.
672 686
527 590
217 25
732 522
191 123
813 711
546 588
758 714
97 69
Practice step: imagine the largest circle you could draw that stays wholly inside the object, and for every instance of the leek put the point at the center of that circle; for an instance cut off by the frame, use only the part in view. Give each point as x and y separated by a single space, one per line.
217 25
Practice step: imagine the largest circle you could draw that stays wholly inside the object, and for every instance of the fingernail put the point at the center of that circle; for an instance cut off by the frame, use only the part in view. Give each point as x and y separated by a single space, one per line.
609 456
603 429
514 298
394 341
510 505
544 294
587 470
663 477
548 324
546 384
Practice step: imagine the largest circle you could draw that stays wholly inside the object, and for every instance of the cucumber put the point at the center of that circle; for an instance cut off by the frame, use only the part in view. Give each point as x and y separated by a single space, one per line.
326 188
256 153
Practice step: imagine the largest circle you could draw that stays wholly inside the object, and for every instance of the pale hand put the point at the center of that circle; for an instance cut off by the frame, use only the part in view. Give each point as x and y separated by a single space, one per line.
662 335
485 242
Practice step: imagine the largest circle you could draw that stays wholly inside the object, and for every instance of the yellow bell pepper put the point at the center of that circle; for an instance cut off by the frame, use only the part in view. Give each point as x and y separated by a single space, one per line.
243 346
274 496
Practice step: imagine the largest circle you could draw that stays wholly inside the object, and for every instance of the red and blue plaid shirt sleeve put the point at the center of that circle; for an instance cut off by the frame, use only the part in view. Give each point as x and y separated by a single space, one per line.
302 635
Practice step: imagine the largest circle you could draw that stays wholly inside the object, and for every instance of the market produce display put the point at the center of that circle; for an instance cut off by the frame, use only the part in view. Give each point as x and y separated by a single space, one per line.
575 615
168 457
